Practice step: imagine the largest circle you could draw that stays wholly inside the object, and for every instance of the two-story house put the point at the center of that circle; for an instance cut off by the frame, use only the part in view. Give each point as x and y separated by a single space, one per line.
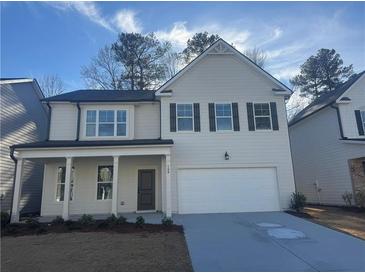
328 144
23 119
212 139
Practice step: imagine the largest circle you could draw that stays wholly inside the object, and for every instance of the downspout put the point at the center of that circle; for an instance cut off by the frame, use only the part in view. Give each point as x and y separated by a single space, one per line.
160 120
339 120
78 121
49 120
16 164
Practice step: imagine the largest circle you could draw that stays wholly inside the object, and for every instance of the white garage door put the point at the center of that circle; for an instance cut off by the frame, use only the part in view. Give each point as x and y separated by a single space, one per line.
227 190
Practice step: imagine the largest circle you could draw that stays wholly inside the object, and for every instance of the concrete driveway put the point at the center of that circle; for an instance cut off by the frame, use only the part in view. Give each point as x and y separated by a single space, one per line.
268 241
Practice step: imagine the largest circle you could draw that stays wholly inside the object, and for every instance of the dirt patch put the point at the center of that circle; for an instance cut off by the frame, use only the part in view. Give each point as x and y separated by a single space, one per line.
96 251
347 220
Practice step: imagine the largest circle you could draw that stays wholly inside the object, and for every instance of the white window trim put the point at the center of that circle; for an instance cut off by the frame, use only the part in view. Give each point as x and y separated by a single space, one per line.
192 117
97 182
254 116
216 120
72 183
115 136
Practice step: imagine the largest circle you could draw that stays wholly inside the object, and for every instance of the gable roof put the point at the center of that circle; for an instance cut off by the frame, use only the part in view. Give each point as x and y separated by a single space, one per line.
222 47
94 95
325 100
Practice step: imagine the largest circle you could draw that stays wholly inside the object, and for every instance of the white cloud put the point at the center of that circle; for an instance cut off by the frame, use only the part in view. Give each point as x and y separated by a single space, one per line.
178 35
125 20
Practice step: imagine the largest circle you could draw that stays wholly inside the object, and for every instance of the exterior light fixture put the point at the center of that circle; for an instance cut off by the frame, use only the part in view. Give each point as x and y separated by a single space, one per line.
226 156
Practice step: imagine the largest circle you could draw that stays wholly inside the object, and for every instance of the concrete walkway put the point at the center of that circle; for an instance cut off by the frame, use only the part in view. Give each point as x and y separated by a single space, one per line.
269 241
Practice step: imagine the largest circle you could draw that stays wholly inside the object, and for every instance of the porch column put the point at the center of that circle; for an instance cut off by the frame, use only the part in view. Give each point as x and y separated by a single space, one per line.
115 185
66 195
17 191
168 185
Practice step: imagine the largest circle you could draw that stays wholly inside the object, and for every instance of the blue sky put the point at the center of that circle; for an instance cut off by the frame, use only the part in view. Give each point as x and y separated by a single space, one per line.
40 38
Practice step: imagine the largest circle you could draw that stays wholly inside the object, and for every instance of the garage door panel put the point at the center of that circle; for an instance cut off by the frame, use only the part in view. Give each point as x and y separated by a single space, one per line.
227 190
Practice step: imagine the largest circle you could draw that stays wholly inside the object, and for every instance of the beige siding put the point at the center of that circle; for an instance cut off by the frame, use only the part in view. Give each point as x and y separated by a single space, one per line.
23 120
63 121
147 121
224 78
357 95
85 201
320 157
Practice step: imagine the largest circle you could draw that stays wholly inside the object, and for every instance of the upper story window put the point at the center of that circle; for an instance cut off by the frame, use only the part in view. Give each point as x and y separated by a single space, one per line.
262 116
184 116
363 119
223 114
106 123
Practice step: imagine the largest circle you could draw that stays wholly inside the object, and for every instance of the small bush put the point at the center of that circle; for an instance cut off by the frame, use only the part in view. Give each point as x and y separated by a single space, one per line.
5 219
86 220
167 221
32 223
139 221
360 198
347 197
121 220
58 221
298 201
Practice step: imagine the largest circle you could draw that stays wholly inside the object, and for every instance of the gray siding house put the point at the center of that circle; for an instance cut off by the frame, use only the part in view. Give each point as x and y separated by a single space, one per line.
328 144
23 119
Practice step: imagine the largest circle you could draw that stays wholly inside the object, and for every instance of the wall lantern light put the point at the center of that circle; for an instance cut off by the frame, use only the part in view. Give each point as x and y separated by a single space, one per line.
226 156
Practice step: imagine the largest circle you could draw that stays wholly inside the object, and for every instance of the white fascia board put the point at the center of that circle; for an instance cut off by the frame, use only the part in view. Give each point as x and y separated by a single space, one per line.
17 81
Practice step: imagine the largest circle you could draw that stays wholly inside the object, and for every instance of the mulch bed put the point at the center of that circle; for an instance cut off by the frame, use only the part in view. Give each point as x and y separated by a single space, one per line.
98 226
299 214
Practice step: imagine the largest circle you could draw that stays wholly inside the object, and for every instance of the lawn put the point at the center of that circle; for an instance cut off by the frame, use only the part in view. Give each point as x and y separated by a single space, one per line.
347 220
96 251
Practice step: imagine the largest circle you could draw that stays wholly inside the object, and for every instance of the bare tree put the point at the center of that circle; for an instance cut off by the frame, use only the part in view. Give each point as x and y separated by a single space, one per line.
51 85
173 62
104 71
256 55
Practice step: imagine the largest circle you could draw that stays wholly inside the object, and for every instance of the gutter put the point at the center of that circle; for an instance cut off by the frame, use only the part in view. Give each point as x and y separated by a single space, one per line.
78 121
339 120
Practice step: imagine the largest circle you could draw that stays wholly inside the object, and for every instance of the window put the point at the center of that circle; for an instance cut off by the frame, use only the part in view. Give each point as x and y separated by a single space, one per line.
105 182
184 116
223 114
262 116
363 118
106 123
60 188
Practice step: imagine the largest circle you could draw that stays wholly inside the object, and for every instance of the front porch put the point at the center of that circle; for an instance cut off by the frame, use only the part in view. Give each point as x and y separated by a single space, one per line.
100 181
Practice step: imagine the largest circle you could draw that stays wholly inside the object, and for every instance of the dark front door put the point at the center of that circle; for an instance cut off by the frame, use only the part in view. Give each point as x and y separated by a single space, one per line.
146 189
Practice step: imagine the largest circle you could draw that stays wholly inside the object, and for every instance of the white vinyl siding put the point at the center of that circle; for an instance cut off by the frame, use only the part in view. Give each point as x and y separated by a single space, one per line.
63 121
219 79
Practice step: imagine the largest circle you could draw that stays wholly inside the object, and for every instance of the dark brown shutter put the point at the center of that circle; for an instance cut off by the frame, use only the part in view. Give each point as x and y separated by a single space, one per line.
173 117
360 126
274 116
196 117
250 117
211 117
236 120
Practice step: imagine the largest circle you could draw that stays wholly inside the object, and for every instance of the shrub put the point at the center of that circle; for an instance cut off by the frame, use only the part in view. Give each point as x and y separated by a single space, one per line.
360 198
86 220
297 201
347 197
112 219
32 223
167 221
58 221
5 219
68 223
121 220
139 221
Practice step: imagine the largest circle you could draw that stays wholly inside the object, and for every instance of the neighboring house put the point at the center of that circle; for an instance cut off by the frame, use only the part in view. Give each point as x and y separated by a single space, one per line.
328 144
214 138
23 119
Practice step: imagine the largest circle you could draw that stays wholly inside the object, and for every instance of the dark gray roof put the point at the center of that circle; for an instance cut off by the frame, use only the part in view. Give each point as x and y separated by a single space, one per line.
325 100
139 142
94 95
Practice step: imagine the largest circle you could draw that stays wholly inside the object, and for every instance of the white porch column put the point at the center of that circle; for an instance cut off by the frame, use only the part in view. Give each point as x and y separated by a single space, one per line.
115 185
17 191
66 197
168 185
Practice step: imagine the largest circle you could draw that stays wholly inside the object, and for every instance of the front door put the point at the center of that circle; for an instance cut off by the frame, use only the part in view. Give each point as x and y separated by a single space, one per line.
146 189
